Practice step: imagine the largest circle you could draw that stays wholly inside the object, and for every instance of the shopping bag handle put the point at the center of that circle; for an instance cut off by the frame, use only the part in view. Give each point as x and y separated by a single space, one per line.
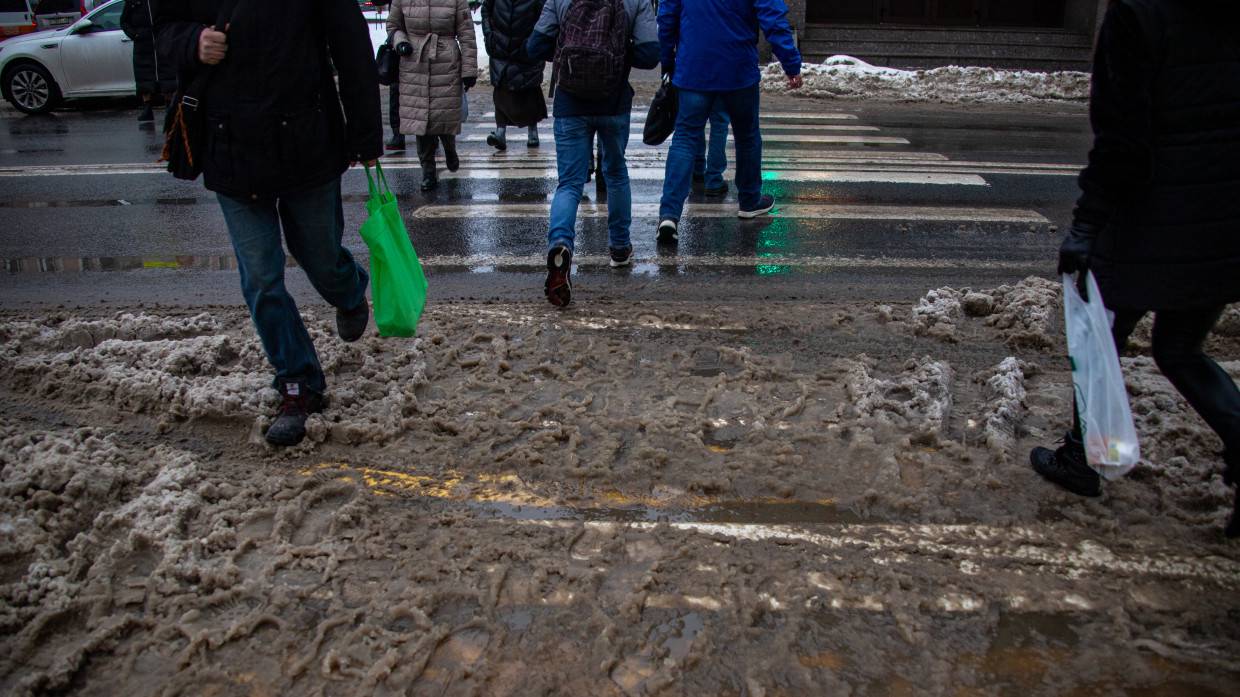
382 187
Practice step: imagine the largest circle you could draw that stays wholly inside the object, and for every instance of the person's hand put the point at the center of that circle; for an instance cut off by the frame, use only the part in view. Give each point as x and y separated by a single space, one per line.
669 69
212 46
470 81
404 48
795 82
1076 248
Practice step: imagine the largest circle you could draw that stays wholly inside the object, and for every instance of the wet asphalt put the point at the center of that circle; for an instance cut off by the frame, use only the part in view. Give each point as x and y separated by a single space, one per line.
922 196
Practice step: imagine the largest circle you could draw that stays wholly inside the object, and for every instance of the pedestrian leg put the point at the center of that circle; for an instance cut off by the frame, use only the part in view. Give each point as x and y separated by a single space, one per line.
613 139
717 151
426 156
574 138
693 111
451 160
742 109
254 228
1177 347
397 141
313 223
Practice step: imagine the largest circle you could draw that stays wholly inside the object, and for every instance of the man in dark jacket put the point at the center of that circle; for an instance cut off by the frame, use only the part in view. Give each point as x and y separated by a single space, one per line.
278 142
1158 220
152 75
710 50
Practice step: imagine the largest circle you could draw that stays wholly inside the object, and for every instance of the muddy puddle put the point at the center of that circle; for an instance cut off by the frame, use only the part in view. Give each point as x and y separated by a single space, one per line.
679 499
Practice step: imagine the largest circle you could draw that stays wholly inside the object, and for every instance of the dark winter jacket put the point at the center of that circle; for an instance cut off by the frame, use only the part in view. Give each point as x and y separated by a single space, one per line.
1163 181
151 72
275 120
506 26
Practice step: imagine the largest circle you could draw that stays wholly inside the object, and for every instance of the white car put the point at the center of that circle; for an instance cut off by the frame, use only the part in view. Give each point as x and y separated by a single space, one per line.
90 58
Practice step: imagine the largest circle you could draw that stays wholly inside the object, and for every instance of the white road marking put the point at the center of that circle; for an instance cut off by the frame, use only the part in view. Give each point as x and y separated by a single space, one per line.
640 115
788 138
517 137
842 176
589 209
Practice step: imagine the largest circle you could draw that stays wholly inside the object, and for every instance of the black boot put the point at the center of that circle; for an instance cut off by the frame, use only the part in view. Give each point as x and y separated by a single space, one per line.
430 180
147 114
351 324
426 155
298 403
1067 467
396 142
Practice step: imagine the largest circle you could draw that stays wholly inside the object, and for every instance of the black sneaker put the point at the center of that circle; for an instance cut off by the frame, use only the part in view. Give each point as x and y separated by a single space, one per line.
351 324
500 144
621 256
559 286
765 204
297 404
396 142
1067 467
147 114
719 192
669 232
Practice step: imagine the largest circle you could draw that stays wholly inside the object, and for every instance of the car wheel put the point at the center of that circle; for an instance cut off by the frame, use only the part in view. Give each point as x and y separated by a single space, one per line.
30 88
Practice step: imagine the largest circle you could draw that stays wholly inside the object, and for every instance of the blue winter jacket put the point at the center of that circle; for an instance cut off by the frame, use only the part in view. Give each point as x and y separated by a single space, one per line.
714 43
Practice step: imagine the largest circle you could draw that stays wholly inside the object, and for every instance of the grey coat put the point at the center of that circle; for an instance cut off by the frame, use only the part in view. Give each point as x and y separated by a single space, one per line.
444 51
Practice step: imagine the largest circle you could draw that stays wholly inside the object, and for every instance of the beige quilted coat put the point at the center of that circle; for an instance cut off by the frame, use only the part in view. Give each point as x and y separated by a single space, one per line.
444 49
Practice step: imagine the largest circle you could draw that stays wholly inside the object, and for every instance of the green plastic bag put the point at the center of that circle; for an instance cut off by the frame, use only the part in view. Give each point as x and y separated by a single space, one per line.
397 284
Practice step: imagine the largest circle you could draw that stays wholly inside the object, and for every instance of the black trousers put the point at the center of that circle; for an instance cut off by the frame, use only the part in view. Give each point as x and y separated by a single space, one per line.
1177 348
394 107
427 145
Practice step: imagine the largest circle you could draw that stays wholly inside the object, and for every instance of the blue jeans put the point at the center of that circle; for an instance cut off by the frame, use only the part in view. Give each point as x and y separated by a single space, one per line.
741 106
574 138
710 165
313 223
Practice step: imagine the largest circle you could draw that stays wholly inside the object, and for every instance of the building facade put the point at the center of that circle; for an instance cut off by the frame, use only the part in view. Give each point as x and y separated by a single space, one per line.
1030 34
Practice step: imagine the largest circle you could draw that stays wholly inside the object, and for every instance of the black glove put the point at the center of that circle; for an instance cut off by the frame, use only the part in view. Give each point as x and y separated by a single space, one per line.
669 69
469 81
1076 248
404 48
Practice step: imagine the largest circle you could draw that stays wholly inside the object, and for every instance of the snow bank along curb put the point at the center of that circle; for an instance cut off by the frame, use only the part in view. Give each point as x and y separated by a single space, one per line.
845 77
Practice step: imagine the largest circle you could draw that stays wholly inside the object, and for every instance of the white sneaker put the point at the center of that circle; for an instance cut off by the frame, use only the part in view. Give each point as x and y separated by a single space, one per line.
668 232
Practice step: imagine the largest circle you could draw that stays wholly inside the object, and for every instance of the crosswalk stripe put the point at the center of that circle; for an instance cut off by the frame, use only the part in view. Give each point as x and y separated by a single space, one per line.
518 136
637 115
590 209
790 138
843 176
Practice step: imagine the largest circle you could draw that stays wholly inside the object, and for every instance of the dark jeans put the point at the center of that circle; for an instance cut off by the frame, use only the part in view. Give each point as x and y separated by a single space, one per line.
741 106
712 160
1177 348
428 145
313 223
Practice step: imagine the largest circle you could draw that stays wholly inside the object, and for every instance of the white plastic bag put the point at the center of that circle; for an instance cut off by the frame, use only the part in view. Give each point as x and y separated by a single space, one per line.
1106 419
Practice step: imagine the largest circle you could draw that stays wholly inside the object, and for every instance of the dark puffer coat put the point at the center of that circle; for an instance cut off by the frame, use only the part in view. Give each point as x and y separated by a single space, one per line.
276 123
1163 180
506 25
151 72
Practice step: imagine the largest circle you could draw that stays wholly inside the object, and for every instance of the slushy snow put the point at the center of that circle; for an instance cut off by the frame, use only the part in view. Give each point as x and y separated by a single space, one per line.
845 77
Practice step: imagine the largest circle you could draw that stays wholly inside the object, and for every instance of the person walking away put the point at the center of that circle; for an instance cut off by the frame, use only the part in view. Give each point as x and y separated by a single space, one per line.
712 158
279 136
1157 220
710 50
439 62
516 81
595 43
151 74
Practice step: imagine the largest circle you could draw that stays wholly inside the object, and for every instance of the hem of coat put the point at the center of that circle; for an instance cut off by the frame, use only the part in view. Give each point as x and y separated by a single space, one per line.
1161 286
316 182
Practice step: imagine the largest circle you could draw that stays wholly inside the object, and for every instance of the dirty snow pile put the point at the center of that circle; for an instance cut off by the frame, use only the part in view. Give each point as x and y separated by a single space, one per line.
1025 314
845 77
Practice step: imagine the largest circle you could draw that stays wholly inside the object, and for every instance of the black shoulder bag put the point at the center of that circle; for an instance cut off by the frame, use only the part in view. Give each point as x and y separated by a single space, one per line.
185 124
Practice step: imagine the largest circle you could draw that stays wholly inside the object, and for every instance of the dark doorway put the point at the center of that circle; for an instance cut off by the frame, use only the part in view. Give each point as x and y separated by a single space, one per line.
1003 13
